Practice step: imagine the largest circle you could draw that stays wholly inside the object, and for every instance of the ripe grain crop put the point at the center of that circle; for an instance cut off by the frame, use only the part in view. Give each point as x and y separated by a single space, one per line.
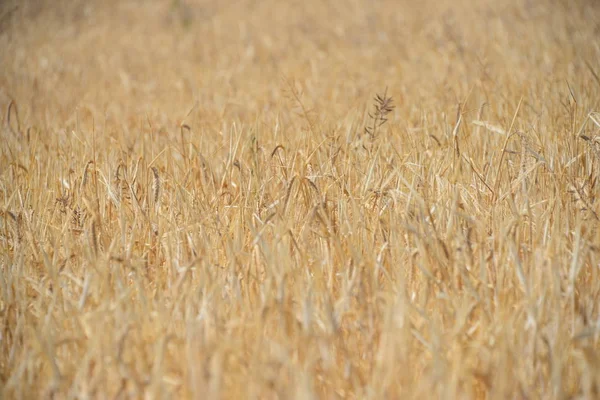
300 199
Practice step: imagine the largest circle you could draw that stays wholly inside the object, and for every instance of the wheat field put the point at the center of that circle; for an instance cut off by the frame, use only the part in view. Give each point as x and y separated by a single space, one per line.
300 199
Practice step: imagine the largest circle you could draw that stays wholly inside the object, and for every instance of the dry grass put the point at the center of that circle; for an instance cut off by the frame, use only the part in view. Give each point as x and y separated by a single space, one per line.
195 202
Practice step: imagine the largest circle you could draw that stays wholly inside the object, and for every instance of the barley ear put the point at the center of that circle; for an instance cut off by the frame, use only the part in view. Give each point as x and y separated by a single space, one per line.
156 185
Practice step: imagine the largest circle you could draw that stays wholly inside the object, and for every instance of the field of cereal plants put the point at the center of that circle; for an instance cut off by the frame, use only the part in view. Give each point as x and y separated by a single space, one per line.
300 199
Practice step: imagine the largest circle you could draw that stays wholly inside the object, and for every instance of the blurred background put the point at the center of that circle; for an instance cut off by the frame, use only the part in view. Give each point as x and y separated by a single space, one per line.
122 59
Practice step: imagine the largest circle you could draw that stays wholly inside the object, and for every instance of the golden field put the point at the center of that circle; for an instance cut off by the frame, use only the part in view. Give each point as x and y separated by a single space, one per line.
206 200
